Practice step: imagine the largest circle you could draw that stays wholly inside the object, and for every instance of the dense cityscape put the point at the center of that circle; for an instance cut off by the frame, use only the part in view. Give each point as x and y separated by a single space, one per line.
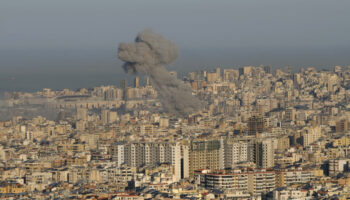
261 133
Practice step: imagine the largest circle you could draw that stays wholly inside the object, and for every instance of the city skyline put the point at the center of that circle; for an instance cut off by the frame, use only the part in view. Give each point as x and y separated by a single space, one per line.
196 100
261 133
49 42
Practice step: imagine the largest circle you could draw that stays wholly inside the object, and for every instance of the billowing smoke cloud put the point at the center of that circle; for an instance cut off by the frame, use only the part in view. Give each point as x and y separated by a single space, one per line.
148 55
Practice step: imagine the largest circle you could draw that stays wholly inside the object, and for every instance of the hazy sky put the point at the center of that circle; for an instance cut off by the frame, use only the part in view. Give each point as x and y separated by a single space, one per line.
73 43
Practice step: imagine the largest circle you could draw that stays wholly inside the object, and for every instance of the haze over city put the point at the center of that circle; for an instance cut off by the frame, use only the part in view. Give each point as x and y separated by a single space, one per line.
196 100
76 41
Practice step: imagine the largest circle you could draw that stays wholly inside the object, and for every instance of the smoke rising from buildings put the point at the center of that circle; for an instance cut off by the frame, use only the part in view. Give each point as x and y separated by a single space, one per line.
148 55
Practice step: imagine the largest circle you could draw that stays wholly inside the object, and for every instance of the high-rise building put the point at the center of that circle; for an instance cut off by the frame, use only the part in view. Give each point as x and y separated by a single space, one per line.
124 84
336 166
82 114
211 77
246 70
289 115
268 69
230 75
132 93
311 134
235 152
256 124
176 161
104 116
152 154
204 74
148 81
185 173
218 73
112 94
137 82
108 116
283 143
116 150
205 154
264 153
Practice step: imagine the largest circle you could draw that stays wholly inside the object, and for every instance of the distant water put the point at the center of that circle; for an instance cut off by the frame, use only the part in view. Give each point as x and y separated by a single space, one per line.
35 81
33 70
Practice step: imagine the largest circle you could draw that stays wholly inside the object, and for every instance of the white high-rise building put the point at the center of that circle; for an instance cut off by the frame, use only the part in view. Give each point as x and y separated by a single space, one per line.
176 161
152 154
235 152
120 155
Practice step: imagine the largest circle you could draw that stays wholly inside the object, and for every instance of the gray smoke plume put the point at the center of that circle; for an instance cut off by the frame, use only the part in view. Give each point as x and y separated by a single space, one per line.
148 55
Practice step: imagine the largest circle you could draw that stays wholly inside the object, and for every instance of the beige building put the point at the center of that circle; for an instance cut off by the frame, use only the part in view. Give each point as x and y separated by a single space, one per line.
264 153
205 155
252 181
311 134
